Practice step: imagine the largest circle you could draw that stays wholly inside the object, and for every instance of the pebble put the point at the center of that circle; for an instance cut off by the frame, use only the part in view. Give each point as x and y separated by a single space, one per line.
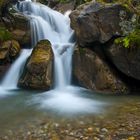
56 125
86 138
131 138
71 133
102 136
98 130
28 133
104 130
95 138
90 129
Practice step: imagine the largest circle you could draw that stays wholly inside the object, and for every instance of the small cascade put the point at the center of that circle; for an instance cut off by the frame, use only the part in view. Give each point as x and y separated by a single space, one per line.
52 25
49 24
12 76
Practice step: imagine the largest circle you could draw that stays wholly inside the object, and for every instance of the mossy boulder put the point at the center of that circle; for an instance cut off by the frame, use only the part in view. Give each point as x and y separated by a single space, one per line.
39 68
93 73
9 50
100 22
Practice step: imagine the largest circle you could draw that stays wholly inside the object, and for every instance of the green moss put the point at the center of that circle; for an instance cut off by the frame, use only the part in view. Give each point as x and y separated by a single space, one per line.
4 34
82 50
132 40
42 52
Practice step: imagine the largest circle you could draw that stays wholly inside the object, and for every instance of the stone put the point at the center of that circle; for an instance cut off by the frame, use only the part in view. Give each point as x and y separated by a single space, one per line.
94 73
39 68
22 36
126 60
17 23
98 22
131 138
64 7
9 51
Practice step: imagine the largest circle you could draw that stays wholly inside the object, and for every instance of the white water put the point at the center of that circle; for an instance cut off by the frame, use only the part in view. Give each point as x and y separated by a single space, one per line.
49 24
52 25
12 76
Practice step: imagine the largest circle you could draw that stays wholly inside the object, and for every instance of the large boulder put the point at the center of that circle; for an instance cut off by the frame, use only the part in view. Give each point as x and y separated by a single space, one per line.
16 22
127 60
39 68
98 22
93 73
9 50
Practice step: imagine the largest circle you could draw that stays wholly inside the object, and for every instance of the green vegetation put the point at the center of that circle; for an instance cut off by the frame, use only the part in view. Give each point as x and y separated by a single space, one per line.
132 40
4 35
133 5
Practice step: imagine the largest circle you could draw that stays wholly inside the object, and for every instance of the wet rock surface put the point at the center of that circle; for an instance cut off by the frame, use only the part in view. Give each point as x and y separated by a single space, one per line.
94 73
39 68
125 59
9 50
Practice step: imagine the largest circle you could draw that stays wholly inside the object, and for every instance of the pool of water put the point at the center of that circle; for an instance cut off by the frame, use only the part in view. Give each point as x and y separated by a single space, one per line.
21 111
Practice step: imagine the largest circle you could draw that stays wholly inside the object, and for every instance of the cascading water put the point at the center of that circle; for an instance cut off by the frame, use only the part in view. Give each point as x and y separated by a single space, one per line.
12 76
52 25
49 24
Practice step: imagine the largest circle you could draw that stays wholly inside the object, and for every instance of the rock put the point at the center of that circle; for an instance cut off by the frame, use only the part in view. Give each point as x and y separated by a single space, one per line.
39 68
52 3
98 22
125 59
21 29
18 25
104 130
64 7
90 129
93 73
131 138
3 69
9 51
23 37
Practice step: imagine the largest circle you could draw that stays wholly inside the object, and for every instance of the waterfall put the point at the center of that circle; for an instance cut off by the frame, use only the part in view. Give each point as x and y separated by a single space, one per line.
12 76
49 24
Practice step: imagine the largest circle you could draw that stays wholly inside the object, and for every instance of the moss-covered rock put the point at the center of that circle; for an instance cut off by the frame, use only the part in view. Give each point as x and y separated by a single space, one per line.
39 68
